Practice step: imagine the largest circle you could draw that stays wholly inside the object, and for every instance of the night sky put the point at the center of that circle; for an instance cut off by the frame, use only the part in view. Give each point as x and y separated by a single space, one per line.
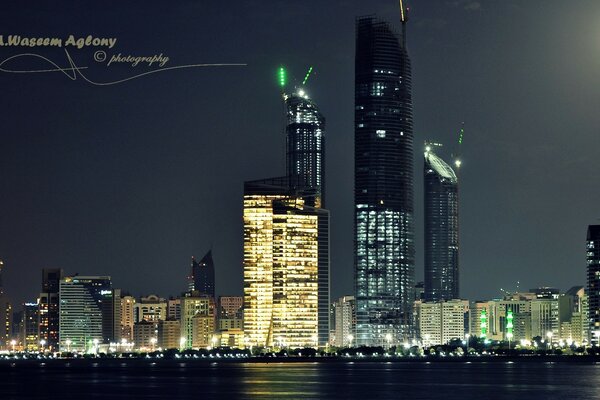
131 180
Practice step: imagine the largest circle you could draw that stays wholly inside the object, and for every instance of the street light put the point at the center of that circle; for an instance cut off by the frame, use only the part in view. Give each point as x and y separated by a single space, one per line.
43 343
549 335
213 341
388 338
153 342
68 343
182 341
13 343
350 339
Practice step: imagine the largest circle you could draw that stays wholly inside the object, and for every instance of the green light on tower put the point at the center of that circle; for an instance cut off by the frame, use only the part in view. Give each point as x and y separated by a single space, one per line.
282 75
307 75
509 324
483 323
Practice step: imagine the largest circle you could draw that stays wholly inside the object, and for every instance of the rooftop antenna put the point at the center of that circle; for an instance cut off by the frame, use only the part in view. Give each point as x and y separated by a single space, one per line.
461 135
403 19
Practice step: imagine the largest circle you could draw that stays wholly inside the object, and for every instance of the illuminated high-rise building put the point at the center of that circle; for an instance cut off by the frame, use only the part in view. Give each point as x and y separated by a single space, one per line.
593 282
49 306
203 275
89 312
305 145
197 321
441 228
5 315
383 184
281 266
127 317
286 239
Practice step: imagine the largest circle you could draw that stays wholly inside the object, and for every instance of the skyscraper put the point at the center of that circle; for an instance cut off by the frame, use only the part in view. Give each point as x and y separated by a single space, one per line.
203 275
383 189
441 229
88 315
49 306
5 315
286 240
305 145
593 282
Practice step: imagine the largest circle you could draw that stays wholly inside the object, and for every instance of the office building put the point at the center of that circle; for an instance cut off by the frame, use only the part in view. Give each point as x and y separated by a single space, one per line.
30 339
88 313
441 228
383 189
49 307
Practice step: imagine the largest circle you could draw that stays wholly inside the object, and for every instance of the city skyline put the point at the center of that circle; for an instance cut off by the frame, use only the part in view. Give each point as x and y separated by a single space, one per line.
82 239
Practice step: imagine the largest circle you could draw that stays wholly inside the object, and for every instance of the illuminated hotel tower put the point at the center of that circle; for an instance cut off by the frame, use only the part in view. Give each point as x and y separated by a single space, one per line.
286 241
383 190
441 229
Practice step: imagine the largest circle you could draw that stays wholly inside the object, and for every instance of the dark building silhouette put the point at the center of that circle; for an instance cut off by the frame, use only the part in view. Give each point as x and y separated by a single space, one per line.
441 229
383 190
593 281
49 307
203 275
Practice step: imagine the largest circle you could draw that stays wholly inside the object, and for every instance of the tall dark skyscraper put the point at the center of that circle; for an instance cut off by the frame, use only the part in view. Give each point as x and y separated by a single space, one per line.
593 281
441 229
203 275
49 307
305 139
383 190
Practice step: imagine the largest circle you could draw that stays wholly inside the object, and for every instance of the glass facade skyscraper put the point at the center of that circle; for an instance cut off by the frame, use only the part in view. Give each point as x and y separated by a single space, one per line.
88 312
441 229
593 282
203 275
305 145
383 190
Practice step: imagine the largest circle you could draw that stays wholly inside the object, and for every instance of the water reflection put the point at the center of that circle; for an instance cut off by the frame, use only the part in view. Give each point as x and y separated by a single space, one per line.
330 380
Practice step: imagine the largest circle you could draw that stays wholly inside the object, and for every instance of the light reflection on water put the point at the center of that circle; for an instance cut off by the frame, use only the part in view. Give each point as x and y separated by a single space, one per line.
330 380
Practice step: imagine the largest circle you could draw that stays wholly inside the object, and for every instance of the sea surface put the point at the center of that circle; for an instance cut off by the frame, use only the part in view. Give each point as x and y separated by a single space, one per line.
174 379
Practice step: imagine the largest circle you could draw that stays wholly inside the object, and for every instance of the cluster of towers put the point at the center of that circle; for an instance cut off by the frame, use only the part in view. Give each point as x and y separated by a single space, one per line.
286 227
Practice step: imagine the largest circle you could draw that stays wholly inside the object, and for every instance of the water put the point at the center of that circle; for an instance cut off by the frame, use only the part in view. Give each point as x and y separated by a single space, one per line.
173 379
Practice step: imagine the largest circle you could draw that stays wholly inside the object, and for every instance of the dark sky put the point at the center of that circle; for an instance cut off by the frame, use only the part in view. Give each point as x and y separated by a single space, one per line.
131 180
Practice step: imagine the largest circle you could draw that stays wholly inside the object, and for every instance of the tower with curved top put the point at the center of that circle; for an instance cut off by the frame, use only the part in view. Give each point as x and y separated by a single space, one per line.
441 229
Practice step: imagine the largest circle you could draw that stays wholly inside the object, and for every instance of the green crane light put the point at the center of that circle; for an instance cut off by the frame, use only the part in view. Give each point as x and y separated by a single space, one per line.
462 133
483 324
282 75
307 75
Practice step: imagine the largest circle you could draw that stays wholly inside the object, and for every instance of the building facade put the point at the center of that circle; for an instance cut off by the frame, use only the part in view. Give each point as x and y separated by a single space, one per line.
593 282
441 322
150 308
197 311
127 317
49 313
383 189
345 321
88 315
169 334
441 229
